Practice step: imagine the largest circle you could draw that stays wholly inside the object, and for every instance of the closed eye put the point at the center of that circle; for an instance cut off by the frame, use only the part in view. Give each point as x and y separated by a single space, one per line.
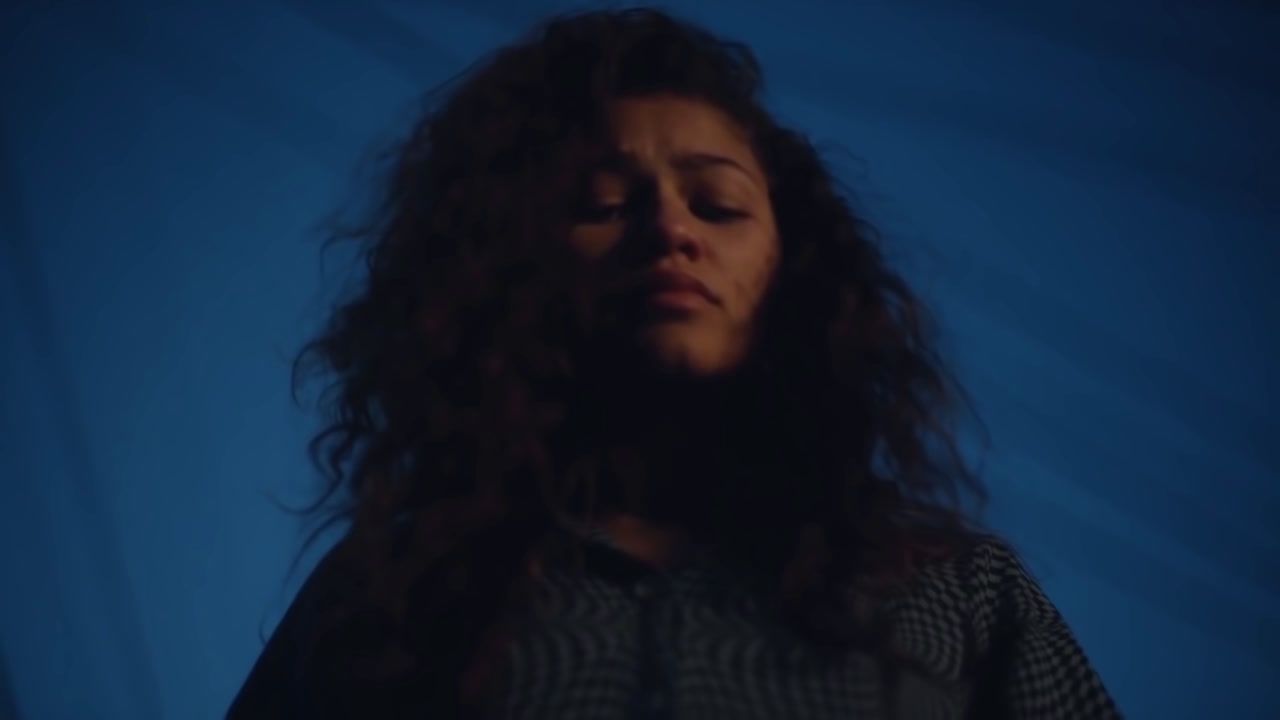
601 212
714 213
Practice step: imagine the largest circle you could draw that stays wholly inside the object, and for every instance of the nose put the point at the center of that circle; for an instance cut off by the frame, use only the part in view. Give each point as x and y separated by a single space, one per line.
670 226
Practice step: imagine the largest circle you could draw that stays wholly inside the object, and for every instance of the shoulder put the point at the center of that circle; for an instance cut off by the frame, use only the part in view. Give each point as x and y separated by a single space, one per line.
970 573
1027 660
987 584
1005 595
968 599
938 616
983 566
1031 660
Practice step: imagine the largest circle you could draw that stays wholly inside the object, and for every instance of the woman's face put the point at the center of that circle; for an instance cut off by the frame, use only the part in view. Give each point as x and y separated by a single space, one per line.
678 223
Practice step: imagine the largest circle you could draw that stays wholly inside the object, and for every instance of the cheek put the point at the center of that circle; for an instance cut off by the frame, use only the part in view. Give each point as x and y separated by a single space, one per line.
769 268
592 244
754 276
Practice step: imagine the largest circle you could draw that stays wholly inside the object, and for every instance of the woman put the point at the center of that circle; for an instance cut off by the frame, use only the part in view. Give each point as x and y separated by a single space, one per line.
636 421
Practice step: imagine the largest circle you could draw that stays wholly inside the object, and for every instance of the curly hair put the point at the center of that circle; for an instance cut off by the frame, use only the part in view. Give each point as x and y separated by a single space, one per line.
458 435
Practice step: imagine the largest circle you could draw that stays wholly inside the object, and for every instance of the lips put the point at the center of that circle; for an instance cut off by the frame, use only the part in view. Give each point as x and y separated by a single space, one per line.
673 284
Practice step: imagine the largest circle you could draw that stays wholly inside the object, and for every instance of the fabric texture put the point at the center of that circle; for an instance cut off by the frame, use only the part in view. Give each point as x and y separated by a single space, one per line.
623 640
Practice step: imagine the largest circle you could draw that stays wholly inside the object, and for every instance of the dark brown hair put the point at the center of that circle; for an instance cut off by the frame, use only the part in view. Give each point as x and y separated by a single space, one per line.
458 381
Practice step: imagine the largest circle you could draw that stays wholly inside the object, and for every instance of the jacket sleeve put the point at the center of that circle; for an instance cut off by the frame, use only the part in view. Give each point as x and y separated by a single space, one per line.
1033 666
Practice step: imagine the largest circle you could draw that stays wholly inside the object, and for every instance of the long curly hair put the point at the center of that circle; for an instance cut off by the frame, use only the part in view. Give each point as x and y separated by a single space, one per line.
459 383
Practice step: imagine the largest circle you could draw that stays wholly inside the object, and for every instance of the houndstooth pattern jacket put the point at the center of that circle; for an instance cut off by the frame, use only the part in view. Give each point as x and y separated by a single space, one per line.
623 640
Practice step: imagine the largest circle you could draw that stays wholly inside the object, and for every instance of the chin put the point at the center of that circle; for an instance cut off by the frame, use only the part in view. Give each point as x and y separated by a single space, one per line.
688 358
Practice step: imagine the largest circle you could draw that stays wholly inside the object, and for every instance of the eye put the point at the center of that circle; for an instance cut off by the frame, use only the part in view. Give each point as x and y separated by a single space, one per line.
600 212
716 212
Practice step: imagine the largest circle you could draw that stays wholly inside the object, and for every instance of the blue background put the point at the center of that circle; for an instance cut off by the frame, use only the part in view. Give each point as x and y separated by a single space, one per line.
1088 194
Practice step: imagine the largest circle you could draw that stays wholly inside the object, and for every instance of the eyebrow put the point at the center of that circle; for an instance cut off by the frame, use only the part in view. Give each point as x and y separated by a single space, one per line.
626 163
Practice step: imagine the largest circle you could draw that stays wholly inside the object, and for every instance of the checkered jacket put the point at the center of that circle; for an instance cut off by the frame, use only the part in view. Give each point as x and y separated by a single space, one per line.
623 640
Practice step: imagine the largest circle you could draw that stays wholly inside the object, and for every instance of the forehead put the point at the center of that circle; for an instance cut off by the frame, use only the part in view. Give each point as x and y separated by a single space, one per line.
669 116
668 130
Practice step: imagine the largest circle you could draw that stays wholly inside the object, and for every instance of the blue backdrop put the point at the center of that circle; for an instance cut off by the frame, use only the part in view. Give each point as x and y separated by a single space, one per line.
1088 194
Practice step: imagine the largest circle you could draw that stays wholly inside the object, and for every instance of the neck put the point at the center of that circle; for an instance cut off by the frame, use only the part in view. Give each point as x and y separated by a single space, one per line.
672 444
656 545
